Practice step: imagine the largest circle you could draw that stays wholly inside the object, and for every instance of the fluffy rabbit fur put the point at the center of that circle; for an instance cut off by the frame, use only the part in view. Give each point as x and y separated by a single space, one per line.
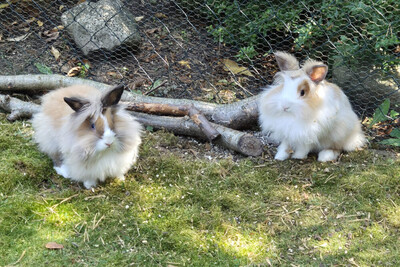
304 112
87 134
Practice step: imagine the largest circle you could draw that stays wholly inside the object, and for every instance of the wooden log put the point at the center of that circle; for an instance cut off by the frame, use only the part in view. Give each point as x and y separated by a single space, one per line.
241 142
177 110
230 138
18 109
238 115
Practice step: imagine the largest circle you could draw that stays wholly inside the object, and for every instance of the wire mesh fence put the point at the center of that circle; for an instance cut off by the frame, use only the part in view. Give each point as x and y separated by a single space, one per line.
217 51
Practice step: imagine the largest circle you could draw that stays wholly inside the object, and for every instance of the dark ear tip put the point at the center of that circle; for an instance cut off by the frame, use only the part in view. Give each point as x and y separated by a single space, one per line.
118 87
67 99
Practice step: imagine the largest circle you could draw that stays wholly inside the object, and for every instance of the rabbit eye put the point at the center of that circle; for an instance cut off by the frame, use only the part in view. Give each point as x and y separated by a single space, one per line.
92 126
302 93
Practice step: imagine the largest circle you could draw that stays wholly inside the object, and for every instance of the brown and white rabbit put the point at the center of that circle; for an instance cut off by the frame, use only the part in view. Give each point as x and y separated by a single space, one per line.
87 134
304 112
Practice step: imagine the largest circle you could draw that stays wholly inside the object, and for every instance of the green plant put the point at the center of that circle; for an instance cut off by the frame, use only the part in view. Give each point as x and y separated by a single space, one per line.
84 69
43 68
351 30
383 114
247 52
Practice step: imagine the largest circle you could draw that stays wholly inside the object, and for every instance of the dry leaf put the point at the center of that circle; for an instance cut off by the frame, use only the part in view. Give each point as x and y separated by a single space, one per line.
74 71
51 35
153 30
138 82
230 65
114 74
40 23
54 245
61 7
57 28
4 6
30 20
55 53
185 79
227 95
19 38
184 63
87 62
65 68
160 15
137 19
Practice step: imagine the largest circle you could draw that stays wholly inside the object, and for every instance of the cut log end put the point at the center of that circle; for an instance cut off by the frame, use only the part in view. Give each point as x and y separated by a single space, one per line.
250 145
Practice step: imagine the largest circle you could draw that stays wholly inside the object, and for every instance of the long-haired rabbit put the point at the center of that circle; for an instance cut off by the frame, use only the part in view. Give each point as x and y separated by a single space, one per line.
87 134
304 112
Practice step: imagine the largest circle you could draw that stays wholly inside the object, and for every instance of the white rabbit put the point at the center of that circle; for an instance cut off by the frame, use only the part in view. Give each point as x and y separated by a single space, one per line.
304 112
87 134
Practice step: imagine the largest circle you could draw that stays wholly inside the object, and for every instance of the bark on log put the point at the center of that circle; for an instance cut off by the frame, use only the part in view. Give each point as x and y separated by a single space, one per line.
174 110
18 109
238 141
239 115
41 82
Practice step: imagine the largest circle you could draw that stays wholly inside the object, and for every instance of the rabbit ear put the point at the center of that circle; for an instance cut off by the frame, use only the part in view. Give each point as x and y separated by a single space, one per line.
113 96
286 61
75 103
317 72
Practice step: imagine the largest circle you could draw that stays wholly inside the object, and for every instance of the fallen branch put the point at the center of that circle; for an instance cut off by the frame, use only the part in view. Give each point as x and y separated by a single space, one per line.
155 88
188 110
238 141
18 109
239 115
232 139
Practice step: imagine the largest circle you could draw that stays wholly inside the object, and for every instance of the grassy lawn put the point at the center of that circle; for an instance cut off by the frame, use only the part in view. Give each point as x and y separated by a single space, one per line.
187 210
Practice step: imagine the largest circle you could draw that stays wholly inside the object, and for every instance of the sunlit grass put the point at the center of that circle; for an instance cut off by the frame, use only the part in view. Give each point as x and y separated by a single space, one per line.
180 209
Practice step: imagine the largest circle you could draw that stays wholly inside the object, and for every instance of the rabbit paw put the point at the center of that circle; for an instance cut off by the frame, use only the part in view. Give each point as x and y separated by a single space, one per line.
300 154
62 170
282 152
328 155
121 178
89 184
282 155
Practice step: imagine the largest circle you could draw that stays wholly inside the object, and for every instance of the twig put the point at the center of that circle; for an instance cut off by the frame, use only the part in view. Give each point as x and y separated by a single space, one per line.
64 200
238 141
20 258
182 110
18 109
154 88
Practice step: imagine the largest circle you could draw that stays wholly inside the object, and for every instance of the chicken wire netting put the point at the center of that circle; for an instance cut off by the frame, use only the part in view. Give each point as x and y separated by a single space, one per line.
217 51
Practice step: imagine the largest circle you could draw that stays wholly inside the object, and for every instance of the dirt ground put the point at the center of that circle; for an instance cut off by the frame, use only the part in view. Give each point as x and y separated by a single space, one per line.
175 52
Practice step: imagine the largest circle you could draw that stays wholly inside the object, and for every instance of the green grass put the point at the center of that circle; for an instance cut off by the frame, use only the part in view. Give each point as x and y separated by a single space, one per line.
182 210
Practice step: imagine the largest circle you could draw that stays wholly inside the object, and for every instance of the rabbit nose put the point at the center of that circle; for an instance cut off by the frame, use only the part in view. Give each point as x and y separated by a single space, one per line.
108 144
285 108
